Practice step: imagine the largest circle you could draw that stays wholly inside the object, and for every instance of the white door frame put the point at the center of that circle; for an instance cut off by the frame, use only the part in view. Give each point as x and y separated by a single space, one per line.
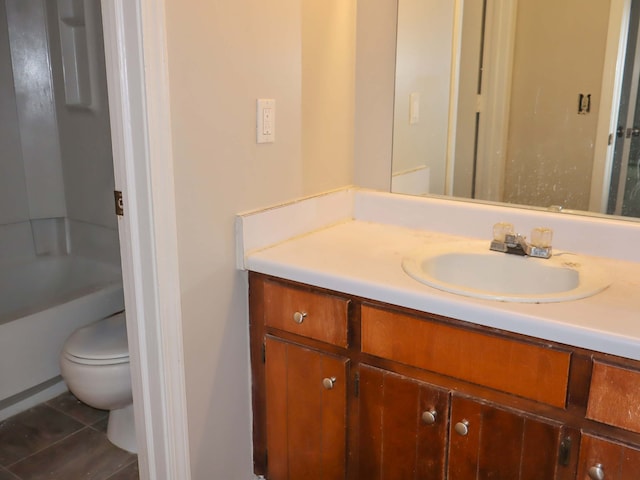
609 104
628 122
137 78
495 101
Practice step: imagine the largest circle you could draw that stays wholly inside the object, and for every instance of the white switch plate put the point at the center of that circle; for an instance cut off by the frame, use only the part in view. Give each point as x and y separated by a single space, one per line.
414 108
265 120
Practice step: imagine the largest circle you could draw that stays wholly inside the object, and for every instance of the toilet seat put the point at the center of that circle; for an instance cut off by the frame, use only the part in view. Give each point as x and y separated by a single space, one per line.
101 343
94 363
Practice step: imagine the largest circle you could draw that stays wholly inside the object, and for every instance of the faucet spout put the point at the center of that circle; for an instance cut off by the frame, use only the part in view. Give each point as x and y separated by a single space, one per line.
516 244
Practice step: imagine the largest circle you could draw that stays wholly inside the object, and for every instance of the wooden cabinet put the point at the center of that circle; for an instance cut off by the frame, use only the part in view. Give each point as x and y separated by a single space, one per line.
349 388
306 406
310 314
614 396
403 427
523 368
300 381
614 399
488 441
414 430
602 459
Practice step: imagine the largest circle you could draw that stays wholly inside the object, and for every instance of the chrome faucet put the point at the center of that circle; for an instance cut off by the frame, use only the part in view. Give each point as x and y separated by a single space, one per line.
507 241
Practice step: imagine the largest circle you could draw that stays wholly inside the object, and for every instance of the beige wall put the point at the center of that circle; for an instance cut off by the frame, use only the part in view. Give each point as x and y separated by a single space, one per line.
375 74
223 55
328 83
423 66
559 53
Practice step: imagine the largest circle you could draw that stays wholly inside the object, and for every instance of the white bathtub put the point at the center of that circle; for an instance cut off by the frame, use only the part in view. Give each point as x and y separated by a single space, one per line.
42 301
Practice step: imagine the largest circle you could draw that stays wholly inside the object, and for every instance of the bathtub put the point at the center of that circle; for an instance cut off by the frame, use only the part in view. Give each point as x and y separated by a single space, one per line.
43 300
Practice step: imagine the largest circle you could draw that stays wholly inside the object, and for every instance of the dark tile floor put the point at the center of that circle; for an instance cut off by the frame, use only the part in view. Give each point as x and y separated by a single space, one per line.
62 439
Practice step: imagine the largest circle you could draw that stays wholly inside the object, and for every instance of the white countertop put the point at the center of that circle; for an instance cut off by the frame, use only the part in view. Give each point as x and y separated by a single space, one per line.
364 258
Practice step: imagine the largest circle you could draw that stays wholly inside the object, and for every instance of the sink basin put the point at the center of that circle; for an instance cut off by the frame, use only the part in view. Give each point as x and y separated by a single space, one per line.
471 269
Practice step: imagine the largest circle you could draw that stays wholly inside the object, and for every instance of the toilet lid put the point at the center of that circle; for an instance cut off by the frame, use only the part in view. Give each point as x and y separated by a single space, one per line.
105 339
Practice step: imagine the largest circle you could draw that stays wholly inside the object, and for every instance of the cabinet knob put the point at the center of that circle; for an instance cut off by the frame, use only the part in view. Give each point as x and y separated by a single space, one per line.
596 472
299 317
429 417
462 428
329 382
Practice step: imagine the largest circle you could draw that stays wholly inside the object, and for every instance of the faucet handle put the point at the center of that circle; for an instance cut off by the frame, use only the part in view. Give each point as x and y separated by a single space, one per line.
540 245
501 230
541 237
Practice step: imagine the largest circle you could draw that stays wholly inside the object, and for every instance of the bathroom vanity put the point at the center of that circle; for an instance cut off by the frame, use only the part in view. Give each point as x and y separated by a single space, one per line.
359 371
347 387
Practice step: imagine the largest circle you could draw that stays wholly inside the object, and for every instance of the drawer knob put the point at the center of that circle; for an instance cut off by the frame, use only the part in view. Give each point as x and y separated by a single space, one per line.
299 317
596 472
329 382
462 428
429 417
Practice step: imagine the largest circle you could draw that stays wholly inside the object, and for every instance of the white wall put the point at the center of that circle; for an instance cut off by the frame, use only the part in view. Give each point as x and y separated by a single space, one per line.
26 23
32 185
85 141
57 168
14 204
423 67
222 56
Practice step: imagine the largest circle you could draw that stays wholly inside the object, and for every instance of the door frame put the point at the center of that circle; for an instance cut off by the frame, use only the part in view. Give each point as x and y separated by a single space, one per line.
611 89
628 121
137 79
495 103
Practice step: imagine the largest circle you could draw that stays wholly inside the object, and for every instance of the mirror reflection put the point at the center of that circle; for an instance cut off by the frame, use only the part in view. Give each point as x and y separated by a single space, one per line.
531 102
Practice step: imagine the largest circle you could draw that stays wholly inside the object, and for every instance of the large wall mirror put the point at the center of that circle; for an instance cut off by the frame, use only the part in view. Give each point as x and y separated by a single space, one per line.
529 102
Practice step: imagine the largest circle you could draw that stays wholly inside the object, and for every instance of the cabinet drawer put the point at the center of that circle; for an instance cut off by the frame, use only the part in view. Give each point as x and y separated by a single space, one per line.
612 460
319 316
525 369
614 396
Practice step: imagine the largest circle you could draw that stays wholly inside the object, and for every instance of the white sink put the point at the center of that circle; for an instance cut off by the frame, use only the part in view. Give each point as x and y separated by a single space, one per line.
471 269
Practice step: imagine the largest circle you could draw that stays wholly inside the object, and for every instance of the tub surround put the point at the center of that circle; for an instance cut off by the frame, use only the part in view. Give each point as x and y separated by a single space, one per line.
353 241
44 300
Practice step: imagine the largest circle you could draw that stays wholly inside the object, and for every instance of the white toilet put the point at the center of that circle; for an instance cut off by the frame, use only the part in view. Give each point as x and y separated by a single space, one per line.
95 366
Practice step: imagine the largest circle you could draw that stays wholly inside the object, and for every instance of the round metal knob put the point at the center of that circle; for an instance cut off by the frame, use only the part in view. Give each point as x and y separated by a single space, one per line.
429 417
299 317
596 472
462 428
329 382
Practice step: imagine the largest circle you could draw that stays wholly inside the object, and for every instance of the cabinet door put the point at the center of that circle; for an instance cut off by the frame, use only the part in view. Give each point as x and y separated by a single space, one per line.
604 459
306 412
403 427
490 442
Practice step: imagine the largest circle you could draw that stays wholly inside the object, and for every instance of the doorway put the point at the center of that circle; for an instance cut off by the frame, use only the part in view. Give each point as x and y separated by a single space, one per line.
137 80
624 192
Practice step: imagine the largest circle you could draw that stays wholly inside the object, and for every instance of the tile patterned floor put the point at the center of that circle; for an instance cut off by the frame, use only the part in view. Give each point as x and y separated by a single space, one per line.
62 439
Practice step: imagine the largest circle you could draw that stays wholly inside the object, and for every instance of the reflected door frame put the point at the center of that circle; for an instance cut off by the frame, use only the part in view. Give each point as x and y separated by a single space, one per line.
625 143
490 108
493 127
609 104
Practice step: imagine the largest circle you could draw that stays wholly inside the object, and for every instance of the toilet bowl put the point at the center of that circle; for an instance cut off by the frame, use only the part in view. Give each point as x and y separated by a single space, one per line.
94 364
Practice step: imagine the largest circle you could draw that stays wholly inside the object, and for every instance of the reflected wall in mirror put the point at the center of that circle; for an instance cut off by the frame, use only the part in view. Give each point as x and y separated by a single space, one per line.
530 102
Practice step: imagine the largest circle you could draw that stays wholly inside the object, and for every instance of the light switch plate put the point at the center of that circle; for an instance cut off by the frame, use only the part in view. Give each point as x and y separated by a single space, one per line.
265 120
414 108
